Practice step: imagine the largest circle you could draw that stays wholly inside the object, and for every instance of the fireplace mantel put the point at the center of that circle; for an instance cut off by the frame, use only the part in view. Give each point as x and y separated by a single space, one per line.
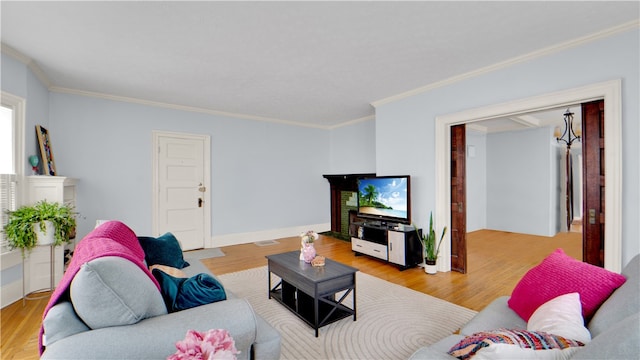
339 183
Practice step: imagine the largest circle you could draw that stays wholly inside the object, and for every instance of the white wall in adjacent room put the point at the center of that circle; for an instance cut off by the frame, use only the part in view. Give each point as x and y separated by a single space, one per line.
476 162
519 181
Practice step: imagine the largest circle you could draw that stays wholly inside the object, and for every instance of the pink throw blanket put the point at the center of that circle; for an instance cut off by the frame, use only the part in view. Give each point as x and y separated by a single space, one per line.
112 238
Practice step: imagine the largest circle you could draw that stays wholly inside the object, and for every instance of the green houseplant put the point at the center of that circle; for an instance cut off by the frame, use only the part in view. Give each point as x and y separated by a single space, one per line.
431 249
20 228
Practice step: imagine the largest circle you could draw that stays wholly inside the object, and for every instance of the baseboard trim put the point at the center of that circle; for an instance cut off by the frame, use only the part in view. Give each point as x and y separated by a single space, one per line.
271 234
11 293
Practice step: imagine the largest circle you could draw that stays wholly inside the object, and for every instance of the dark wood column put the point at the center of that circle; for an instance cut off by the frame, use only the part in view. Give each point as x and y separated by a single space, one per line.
593 183
339 183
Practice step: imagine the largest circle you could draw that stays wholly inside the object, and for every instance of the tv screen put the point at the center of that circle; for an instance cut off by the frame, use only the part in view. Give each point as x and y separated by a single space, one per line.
385 198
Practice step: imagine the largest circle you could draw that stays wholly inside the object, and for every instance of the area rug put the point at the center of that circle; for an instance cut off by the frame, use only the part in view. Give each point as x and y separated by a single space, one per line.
204 253
392 321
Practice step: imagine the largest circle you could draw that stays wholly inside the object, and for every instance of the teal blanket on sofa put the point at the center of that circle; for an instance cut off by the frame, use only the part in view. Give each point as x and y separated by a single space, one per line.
184 293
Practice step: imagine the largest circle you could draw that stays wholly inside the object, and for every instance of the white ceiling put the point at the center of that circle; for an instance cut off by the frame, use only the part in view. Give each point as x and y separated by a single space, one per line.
311 63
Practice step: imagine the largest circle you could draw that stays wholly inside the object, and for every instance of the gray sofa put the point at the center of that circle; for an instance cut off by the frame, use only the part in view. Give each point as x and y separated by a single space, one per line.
154 337
615 327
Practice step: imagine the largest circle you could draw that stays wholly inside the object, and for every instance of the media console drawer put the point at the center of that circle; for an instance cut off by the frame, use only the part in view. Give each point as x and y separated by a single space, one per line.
369 248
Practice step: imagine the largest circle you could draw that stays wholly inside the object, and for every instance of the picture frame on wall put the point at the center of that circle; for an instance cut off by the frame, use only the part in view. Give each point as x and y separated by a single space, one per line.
44 141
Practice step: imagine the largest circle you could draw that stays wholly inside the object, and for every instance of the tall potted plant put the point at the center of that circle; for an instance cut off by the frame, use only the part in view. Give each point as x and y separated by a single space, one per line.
431 249
24 225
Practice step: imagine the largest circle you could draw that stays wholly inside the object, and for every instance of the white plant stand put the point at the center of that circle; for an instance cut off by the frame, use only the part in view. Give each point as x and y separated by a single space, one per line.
53 189
40 293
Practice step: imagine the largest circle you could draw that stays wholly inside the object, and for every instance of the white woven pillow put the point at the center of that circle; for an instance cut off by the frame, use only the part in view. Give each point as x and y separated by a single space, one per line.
515 352
561 316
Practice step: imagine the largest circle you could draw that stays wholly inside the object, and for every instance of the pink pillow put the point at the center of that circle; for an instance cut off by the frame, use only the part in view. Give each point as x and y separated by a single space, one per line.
559 274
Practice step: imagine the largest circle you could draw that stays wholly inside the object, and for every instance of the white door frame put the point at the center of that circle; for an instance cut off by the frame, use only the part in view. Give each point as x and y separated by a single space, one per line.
610 91
157 134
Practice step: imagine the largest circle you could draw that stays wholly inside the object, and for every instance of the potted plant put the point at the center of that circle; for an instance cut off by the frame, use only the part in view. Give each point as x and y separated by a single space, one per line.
431 249
24 224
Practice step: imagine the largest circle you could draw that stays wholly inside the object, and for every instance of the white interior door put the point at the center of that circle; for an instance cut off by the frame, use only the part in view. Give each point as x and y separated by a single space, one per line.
182 184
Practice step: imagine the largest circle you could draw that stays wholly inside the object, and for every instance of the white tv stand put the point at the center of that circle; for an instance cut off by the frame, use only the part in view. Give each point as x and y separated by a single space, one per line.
388 242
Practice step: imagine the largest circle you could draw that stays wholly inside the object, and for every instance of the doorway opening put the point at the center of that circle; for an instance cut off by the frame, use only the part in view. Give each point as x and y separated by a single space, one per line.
517 163
609 91
521 187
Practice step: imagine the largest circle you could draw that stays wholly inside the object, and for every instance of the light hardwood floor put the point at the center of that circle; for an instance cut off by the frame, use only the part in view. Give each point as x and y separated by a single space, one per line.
496 261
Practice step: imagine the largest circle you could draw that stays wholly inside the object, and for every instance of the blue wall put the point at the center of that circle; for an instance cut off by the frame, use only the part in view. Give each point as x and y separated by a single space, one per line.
264 176
411 120
352 148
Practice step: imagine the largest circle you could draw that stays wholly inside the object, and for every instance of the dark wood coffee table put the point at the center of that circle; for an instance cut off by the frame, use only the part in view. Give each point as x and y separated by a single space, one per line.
310 292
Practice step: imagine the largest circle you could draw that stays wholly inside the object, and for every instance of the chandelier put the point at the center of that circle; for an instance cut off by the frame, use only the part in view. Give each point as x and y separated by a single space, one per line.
569 135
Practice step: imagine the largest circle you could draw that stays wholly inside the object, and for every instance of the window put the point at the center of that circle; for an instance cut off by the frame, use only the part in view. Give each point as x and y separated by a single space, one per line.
11 156
7 161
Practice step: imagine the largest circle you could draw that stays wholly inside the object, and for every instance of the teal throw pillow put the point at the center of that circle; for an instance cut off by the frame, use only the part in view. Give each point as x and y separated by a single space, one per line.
163 250
184 293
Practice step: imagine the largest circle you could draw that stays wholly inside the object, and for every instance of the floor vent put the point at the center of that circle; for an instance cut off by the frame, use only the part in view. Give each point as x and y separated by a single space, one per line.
266 242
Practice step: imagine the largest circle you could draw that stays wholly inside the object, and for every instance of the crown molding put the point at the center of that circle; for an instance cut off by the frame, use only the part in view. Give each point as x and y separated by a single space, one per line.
204 110
352 122
507 63
32 65
40 74
6 49
63 90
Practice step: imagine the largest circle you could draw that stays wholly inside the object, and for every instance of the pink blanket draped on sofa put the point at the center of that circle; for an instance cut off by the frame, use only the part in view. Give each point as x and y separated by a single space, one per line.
112 238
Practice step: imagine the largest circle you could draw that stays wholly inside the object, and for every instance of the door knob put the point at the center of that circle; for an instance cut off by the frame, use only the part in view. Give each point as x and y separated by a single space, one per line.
201 188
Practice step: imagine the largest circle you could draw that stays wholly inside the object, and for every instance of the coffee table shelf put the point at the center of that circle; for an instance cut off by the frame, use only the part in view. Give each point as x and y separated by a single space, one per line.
329 310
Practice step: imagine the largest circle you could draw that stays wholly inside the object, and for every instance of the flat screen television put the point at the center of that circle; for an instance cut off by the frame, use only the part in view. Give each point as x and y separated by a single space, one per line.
386 198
